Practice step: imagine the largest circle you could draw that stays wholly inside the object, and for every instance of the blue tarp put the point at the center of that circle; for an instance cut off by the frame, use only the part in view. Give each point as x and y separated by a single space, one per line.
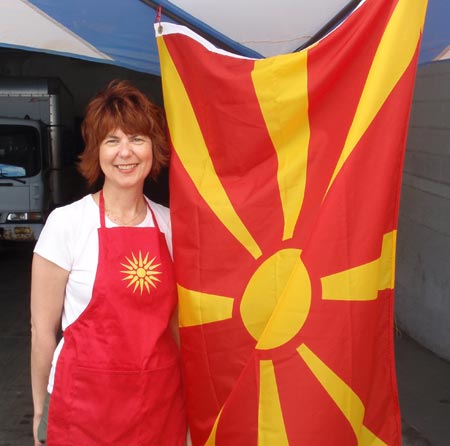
120 32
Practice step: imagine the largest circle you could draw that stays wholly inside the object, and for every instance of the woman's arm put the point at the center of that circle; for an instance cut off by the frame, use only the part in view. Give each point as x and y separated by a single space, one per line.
174 327
48 284
175 330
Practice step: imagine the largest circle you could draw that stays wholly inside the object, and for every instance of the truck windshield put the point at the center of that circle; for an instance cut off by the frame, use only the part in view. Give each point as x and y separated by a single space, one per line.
19 151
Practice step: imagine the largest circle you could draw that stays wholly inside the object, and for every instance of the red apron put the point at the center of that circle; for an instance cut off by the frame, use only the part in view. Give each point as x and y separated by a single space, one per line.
117 379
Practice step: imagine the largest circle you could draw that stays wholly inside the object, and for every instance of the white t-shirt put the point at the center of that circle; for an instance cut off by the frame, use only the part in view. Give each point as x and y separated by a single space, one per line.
70 240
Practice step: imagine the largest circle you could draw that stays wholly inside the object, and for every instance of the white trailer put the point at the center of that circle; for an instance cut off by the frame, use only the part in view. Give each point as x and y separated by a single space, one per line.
36 124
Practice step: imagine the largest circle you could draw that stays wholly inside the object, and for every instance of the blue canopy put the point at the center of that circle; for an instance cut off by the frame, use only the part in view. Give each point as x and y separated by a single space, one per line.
120 32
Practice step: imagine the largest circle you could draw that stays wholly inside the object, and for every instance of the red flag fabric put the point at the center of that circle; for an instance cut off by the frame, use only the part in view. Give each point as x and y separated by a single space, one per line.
285 181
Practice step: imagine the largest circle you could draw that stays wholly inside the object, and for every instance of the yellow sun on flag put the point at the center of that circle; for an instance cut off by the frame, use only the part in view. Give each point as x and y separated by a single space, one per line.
141 272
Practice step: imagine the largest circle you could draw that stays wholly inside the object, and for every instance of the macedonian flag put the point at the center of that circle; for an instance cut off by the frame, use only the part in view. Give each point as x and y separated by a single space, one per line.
285 182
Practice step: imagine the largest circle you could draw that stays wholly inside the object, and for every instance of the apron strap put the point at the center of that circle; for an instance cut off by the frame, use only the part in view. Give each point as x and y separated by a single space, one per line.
155 222
101 203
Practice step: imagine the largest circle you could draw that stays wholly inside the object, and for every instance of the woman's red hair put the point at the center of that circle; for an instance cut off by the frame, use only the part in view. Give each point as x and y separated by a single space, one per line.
121 106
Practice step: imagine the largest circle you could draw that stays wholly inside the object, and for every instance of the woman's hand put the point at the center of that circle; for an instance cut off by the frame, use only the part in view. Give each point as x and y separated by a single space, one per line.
36 421
188 438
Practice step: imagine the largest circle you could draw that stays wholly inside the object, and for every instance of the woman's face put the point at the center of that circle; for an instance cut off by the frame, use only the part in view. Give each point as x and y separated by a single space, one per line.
126 160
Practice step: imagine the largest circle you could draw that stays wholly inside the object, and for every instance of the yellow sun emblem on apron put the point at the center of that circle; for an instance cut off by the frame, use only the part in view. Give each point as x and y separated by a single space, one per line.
141 272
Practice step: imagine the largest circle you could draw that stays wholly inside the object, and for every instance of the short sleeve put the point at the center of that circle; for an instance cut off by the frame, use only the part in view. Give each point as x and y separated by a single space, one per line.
55 242
168 233
162 215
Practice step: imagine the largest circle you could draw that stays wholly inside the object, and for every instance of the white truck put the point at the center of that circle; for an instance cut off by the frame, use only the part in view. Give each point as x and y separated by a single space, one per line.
36 143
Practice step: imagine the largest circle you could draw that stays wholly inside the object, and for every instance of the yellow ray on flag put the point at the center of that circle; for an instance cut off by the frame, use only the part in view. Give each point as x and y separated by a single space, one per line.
211 441
191 148
363 282
271 428
392 58
344 397
281 85
196 308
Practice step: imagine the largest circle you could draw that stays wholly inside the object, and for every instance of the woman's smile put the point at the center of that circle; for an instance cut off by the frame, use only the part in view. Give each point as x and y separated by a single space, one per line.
125 167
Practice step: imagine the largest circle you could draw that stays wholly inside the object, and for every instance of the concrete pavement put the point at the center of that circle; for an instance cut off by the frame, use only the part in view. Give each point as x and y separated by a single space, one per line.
424 391
16 410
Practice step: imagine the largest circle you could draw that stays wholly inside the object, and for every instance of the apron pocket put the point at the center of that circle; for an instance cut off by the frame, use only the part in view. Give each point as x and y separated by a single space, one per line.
130 408
163 408
106 407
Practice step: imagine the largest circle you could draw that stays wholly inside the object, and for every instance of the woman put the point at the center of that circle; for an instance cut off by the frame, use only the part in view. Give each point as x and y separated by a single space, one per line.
102 266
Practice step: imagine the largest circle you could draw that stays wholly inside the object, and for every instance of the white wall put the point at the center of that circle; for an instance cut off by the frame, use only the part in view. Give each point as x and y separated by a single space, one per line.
423 253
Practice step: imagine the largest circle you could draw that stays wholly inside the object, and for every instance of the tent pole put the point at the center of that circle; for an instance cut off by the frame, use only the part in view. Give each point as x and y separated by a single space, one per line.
342 14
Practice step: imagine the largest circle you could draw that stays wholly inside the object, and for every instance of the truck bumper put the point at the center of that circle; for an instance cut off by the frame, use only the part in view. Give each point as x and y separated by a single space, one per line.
27 232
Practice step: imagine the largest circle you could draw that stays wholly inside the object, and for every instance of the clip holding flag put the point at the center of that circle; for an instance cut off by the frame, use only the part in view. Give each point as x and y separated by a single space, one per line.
158 19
